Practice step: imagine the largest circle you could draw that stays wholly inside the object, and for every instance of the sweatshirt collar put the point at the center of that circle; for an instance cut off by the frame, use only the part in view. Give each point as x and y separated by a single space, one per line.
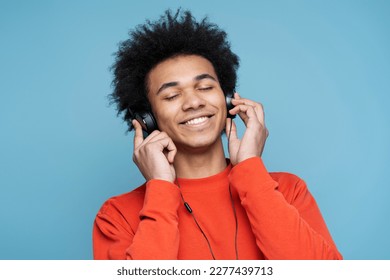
200 184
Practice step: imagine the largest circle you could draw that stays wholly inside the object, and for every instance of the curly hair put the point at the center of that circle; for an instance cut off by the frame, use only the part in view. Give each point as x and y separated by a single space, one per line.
153 42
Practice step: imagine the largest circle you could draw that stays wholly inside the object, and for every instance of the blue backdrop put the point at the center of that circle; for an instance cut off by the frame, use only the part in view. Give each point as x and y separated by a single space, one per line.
321 69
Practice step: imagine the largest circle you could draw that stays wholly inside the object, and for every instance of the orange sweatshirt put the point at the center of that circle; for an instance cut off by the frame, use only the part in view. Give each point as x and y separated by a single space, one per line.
277 218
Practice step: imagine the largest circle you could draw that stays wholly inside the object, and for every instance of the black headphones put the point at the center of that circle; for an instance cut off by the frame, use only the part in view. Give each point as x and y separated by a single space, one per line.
149 123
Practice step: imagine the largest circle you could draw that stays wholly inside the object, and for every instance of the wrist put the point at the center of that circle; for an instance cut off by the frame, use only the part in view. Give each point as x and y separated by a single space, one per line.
162 177
169 180
246 157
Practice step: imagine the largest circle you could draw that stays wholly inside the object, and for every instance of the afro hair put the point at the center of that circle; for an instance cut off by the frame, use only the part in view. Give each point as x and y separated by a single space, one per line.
153 42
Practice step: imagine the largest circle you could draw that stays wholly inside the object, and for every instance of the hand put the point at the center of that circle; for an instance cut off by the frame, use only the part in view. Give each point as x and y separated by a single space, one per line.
253 141
154 155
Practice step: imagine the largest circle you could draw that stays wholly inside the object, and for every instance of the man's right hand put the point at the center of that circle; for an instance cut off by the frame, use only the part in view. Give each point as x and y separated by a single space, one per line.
154 155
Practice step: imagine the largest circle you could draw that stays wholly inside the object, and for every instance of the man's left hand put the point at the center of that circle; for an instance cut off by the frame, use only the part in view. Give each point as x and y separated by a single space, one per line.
253 140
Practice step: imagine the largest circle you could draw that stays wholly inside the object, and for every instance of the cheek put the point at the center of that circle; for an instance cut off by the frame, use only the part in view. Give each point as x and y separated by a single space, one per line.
165 116
159 112
222 104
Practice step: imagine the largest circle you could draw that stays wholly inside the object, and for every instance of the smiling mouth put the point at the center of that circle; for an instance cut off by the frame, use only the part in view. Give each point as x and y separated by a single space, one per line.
196 121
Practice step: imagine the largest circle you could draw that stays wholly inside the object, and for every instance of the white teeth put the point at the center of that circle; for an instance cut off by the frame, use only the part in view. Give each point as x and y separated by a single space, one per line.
196 121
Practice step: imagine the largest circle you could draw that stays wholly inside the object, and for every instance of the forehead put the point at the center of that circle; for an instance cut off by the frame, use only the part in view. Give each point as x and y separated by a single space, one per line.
179 69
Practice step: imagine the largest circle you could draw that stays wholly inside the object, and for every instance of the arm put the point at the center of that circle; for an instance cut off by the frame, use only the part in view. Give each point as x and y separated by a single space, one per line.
155 237
154 234
283 229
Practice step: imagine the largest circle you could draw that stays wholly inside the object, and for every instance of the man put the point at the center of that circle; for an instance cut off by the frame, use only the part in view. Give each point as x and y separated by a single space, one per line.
171 79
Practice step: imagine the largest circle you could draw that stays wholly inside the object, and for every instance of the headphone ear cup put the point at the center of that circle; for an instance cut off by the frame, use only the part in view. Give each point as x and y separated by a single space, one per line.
147 121
229 105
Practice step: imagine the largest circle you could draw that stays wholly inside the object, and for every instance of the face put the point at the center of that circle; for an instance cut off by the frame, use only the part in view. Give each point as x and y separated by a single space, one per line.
187 101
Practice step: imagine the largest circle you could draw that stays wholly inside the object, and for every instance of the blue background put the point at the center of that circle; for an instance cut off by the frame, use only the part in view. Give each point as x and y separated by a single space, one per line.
321 69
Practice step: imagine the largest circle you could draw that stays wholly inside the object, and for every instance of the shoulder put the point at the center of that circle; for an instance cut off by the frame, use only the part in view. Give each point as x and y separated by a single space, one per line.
124 205
290 185
120 213
285 178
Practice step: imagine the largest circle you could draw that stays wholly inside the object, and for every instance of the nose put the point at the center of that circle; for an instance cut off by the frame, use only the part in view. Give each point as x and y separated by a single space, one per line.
192 100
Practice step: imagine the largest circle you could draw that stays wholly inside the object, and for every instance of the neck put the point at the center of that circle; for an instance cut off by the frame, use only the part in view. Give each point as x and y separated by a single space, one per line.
200 164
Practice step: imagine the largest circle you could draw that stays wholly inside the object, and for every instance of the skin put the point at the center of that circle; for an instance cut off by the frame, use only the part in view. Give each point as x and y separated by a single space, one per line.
189 106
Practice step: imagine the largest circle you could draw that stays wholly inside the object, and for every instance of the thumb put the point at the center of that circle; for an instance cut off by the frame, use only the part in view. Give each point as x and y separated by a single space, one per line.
138 136
231 129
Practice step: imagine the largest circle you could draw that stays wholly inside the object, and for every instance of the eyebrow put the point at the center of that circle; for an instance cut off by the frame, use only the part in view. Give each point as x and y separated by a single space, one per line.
204 76
197 78
167 85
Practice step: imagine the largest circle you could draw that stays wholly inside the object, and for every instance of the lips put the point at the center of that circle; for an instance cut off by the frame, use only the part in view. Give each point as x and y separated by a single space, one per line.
195 120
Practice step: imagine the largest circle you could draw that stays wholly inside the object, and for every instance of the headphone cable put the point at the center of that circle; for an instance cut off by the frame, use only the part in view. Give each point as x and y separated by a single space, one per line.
232 200
189 209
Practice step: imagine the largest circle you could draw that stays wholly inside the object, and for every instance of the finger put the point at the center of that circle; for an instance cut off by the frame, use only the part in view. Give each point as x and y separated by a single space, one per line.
156 136
260 113
237 102
258 107
172 150
243 101
246 102
138 135
166 146
231 129
151 136
164 138
228 126
246 112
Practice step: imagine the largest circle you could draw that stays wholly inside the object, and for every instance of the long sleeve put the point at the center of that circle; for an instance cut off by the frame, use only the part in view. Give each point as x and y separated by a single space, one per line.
154 236
286 221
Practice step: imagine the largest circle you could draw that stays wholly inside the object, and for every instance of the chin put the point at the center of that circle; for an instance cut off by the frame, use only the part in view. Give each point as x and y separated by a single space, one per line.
201 143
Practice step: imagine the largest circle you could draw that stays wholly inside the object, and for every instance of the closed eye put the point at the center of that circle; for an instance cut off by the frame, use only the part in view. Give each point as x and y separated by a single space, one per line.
205 88
170 98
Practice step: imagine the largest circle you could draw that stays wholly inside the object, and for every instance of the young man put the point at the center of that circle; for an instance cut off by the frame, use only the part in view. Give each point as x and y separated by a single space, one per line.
171 78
